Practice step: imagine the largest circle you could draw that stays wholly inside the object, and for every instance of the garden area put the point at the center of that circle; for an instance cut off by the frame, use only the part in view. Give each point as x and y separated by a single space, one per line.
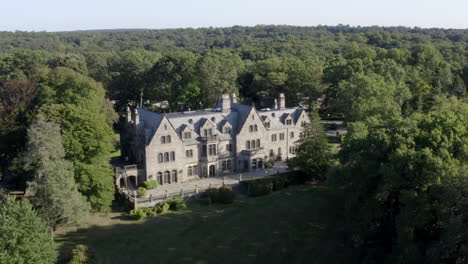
294 225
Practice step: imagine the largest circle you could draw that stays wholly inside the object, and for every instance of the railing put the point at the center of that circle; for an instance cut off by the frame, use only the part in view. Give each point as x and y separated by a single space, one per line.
209 138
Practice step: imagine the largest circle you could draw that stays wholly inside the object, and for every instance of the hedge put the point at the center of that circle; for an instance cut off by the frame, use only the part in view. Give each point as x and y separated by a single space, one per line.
265 185
150 184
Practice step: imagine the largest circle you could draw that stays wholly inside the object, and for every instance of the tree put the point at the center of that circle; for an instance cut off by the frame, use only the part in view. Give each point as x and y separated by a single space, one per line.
78 104
218 72
24 238
56 196
365 96
313 154
75 62
406 180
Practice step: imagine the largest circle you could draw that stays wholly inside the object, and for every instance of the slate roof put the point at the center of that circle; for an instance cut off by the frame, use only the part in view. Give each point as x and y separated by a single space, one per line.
236 117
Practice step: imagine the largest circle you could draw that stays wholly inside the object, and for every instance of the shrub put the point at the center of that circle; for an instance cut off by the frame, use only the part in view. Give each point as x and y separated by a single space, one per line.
150 184
212 195
149 211
176 203
258 188
81 254
225 195
142 191
269 164
161 207
279 183
137 214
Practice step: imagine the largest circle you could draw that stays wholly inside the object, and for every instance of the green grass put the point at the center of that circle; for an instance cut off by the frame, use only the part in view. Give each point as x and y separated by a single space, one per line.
296 225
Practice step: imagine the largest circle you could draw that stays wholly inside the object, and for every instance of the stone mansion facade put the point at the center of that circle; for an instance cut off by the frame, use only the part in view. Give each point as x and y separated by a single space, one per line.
231 137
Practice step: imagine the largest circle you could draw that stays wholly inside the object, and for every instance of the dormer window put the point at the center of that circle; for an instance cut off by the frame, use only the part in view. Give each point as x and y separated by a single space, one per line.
288 122
227 130
187 135
267 124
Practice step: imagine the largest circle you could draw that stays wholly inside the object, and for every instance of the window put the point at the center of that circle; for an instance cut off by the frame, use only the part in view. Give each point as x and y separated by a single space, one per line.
252 144
227 130
229 147
301 135
174 176
210 132
213 119
168 139
291 135
212 149
189 171
223 165
163 140
282 136
159 178
255 128
250 128
167 177
253 117
166 157
267 124
195 170
273 137
288 122
303 123
172 156
279 151
189 153
187 135
204 151
247 145
229 165
165 126
254 164
258 143
160 158
272 153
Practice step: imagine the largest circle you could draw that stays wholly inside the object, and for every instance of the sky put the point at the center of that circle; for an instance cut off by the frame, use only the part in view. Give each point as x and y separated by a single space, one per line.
67 15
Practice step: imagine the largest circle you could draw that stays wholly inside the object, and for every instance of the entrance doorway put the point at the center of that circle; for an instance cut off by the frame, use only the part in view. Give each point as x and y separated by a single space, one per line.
212 170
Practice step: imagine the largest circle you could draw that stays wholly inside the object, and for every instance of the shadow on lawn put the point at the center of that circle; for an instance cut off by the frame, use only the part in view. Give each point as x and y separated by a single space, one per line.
295 225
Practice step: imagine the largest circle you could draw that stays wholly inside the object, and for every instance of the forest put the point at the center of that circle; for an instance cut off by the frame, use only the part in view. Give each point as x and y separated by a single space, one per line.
401 91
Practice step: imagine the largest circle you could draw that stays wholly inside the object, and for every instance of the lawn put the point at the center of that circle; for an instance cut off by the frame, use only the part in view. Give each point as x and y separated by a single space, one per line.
296 225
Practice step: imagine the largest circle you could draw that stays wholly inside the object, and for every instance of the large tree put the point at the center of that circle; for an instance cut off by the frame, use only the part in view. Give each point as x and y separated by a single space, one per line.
407 181
56 196
24 237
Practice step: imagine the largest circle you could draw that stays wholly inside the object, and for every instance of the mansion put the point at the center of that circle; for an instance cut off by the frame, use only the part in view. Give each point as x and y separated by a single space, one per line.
231 137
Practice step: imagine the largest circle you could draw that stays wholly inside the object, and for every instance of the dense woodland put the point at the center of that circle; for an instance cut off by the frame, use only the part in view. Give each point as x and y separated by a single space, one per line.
401 90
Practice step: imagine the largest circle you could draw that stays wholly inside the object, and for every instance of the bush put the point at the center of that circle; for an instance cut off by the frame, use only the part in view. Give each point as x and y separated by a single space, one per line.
279 183
142 191
81 254
161 207
260 188
137 214
269 164
212 195
176 203
225 195
150 184
149 211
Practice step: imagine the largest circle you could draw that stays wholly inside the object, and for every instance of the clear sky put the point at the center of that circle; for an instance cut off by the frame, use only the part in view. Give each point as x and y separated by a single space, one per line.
61 15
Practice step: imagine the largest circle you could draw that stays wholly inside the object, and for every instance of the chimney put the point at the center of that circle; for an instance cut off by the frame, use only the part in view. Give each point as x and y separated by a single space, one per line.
137 117
129 115
234 98
282 101
225 103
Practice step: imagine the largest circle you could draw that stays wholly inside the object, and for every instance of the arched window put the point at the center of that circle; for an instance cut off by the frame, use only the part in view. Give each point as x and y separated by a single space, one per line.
195 170
168 139
163 140
189 171
159 178
166 156
172 156
250 128
167 177
255 127
160 158
258 143
174 176
253 144
248 145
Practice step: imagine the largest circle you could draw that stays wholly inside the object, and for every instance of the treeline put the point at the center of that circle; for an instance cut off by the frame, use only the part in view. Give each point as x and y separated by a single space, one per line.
393 85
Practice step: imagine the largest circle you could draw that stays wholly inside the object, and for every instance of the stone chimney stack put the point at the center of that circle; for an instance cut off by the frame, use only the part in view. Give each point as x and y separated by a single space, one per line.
137 118
234 98
282 101
129 115
225 103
